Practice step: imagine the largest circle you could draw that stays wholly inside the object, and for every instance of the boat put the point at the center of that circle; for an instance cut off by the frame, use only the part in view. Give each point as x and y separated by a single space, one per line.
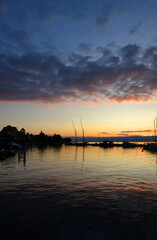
152 147
106 143
128 145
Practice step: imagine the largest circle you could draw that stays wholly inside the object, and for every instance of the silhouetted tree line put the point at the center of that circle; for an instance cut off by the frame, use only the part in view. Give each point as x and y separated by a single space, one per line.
12 134
45 139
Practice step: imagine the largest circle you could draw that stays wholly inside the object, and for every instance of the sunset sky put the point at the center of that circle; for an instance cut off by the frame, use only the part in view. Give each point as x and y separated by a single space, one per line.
62 60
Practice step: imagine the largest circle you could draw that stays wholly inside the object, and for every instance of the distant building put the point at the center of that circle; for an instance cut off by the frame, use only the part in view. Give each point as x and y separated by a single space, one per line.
22 132
9 132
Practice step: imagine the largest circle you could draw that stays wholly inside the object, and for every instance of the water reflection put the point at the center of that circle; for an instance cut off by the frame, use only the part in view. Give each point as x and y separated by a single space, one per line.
156 162
43 148
79 157
79 193
22 156
76 149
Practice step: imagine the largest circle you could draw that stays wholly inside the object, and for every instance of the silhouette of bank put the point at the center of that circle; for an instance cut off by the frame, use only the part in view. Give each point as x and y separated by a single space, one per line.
11 139
44 139
10 133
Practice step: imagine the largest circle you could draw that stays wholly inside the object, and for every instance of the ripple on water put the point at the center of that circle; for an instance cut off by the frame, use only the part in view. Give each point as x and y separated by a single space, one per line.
79 193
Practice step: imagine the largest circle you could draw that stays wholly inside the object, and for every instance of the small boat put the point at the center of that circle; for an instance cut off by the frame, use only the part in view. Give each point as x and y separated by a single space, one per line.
152 147
106 143
128 145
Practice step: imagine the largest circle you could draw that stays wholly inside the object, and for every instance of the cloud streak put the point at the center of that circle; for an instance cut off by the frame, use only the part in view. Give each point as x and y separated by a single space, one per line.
104 133
105 18
138 131
136 28
127 75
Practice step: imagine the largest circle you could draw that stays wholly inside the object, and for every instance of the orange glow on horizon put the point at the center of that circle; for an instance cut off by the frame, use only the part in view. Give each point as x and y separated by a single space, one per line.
96 101
141 133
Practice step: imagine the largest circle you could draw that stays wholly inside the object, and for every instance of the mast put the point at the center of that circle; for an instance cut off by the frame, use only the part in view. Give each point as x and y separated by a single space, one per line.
155 122
75 132
82 131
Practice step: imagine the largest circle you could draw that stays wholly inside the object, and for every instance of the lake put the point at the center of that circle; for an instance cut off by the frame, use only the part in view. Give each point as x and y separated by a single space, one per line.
71 192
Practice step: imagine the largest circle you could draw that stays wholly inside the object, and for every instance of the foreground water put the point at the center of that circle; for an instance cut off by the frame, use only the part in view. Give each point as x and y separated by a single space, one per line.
79 193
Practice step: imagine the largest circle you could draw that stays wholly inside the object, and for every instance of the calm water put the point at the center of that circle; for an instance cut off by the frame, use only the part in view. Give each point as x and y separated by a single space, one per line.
79 193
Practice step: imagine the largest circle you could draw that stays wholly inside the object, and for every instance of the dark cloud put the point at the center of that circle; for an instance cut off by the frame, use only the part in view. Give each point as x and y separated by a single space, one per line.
84 47
150 56
130 75
36 25
36 14
105 18
22 13
130 53
14 40
78 59
107 58
136 28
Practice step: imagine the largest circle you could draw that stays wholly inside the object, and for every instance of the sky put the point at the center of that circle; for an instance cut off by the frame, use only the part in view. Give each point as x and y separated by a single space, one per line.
62 60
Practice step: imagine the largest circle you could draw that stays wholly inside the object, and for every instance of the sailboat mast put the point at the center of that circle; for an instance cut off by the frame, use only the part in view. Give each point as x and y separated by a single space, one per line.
75 132
82 131
154 129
